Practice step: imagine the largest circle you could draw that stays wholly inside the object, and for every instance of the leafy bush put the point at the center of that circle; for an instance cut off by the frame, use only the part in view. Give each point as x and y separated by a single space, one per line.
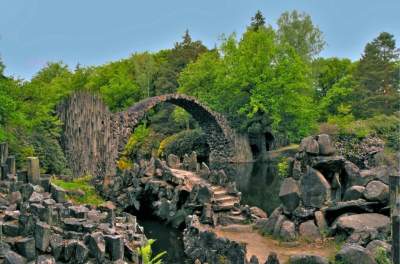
381 256
184 142
383 126
283 167
146 254
142 143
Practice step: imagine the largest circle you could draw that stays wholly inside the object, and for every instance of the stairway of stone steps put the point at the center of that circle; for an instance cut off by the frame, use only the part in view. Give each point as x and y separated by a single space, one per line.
223 202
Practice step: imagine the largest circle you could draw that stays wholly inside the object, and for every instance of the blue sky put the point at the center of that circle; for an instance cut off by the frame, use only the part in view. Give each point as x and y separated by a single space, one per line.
93 32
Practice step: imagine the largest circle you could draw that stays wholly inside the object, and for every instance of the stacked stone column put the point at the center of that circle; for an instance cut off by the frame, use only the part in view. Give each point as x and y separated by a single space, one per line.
7 163
395 214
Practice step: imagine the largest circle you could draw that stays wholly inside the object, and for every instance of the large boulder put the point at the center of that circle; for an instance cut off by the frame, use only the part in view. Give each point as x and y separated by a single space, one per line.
352 253
11 257
325 145
353 174
328 163
309 145
268 226
289 194
309 230
315 189
377 191
354 193
288 231
369 223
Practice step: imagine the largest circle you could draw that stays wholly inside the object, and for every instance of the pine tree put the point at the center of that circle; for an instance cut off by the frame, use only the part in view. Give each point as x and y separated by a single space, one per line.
257 21
377 75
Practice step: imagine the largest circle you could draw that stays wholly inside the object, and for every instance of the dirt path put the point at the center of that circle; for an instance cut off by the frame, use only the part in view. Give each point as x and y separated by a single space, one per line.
262 246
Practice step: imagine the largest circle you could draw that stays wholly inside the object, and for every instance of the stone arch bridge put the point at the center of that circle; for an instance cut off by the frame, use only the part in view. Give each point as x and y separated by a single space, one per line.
93 137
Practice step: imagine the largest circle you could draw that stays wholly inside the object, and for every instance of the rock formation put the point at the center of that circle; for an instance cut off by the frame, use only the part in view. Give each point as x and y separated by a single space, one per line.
37 222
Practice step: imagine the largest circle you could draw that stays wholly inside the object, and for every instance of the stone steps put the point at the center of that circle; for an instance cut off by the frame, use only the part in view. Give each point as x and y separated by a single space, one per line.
226 206
226 198
219 194
228 219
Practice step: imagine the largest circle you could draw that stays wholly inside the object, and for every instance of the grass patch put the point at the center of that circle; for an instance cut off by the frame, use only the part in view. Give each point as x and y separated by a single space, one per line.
81 183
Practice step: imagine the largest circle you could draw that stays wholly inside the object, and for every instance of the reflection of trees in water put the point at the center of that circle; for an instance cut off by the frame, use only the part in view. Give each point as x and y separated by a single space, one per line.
263 188
259 182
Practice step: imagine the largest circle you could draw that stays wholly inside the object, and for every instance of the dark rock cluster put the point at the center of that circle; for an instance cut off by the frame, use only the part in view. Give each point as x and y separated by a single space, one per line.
328 195
172 194
203 246
37 222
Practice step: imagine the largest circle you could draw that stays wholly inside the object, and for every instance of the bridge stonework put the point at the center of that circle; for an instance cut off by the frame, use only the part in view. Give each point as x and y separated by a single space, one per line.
94 137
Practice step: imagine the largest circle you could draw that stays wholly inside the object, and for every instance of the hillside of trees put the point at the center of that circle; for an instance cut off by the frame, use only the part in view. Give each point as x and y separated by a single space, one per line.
271 78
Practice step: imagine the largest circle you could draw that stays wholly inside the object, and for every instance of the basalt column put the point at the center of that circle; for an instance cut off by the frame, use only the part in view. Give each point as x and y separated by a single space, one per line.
87 138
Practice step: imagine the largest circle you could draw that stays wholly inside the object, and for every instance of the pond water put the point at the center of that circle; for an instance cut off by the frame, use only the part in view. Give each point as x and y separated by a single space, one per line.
167 239
259 183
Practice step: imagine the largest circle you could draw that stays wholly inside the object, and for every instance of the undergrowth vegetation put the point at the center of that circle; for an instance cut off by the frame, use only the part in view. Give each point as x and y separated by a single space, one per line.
80 190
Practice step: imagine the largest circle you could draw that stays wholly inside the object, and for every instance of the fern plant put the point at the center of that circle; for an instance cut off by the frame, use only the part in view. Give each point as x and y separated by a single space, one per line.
146 254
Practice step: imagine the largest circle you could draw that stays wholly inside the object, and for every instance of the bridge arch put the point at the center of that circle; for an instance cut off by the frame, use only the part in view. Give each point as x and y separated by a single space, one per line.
93 137
220 136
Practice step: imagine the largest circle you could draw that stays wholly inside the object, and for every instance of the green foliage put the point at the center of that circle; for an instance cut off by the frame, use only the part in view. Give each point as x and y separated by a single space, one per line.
283 167
378 81
381 256
328 72
142 143
181 117
146 254
257 82
298 30
84 184
184 142
257 21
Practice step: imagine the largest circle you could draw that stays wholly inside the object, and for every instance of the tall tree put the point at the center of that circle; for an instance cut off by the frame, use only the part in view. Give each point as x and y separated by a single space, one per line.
378 77
257 82
1 69
257 21
328 72
173 61
298 30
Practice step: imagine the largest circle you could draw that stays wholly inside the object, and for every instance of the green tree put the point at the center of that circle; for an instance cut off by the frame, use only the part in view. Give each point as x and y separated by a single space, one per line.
173 61
2 67
327 72
145 71
258 82
378 77
298 30
257 21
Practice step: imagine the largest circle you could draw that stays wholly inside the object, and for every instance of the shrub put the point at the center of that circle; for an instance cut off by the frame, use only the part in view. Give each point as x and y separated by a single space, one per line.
381 256
142 143
184 142
283 167
146 254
